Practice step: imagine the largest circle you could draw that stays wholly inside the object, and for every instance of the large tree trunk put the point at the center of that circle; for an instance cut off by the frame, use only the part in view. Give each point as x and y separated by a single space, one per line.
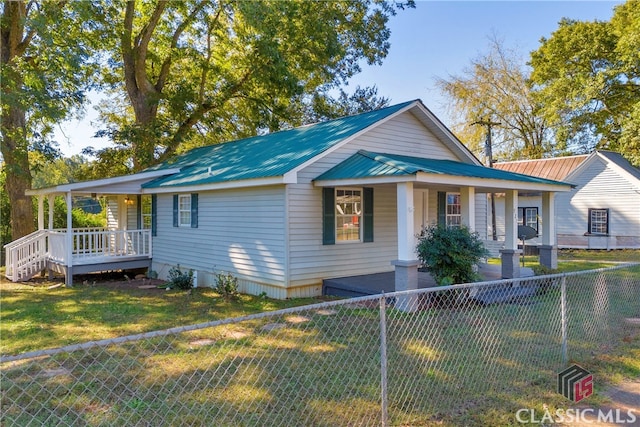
14 141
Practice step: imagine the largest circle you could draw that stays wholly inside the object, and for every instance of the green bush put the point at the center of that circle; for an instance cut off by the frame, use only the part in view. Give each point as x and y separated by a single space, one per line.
226 285
180 279
450 253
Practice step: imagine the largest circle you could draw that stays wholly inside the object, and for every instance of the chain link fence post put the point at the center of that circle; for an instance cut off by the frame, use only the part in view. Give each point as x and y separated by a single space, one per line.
563 318
383 360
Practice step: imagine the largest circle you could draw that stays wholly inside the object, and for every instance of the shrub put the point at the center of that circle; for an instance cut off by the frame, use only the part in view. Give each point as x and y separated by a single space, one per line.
180 279
226 285
450 253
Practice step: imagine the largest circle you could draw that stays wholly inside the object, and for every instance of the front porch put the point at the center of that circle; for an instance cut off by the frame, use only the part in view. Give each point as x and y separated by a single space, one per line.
77 251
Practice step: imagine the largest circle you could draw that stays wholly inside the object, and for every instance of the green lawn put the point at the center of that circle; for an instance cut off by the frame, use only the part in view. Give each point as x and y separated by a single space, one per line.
37 317
447 366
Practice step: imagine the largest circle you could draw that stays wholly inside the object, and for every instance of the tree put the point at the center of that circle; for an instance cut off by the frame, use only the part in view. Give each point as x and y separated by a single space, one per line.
204 70
587 78
42 74
321 106
495 88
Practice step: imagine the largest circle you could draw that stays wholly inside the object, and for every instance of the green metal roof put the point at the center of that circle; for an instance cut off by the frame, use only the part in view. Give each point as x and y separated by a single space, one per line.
264 156
365 164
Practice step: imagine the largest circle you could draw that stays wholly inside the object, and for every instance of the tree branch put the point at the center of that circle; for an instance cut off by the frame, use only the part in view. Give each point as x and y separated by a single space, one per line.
166 65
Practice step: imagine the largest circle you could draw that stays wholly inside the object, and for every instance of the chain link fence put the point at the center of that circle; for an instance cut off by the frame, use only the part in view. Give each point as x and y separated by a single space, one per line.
433 356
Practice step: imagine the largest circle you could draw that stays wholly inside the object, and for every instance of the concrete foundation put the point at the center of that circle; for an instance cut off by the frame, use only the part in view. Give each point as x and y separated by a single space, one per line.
406 272
548 256
510 263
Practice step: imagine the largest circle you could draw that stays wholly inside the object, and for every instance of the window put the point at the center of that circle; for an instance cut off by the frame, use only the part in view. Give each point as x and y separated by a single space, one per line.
145 211
184 210
348 214
454 212
528 217
598 221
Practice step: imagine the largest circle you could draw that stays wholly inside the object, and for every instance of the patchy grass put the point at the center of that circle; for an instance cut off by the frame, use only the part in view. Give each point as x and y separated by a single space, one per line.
43 314
471 365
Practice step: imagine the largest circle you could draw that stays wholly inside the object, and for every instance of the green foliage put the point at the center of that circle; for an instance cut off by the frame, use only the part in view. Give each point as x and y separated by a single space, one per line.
450 253
202 71
494 88
180 279
44 70
226 285
586 76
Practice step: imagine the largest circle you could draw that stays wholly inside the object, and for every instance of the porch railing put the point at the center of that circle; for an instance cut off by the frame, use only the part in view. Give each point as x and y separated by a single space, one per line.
27 256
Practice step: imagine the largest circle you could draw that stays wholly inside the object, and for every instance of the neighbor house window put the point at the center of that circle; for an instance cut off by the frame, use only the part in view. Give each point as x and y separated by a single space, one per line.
348 214
528 217
599 221
454 211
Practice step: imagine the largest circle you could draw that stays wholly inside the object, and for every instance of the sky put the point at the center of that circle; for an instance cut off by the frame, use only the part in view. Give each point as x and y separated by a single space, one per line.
436 39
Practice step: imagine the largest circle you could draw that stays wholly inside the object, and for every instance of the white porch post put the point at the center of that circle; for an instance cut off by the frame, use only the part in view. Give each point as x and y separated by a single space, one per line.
510 254
52 201
468 207
549 248
406 266
68 277
40 212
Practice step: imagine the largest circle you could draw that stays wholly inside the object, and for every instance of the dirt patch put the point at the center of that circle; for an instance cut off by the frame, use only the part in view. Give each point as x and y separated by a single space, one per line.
111 280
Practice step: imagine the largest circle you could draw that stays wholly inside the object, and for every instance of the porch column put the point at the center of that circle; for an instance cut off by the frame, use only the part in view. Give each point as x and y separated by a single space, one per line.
406 266
549 247
68 277
468 207
52 200
40 212
510 254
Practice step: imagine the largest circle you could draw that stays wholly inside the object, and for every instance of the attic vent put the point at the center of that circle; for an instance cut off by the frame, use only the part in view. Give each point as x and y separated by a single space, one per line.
209 170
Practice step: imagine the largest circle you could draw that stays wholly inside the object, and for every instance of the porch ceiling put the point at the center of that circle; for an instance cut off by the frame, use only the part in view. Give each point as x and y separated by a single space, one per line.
366 167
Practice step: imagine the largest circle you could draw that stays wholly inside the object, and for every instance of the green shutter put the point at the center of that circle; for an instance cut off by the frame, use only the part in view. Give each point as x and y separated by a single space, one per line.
442 208
328 216
367 203
154 214
194 210
175 210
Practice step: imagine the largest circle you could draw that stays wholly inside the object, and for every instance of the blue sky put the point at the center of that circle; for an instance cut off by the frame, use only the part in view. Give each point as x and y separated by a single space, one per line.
436 39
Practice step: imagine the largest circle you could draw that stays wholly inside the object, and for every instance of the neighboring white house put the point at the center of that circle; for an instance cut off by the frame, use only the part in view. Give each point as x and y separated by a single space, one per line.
286 210
601 212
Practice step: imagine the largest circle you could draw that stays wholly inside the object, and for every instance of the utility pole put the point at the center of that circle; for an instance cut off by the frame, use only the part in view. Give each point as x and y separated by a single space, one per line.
488 152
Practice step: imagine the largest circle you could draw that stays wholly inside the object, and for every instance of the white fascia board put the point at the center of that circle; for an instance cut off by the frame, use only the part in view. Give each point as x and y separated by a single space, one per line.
294 171
488 183
582 166
447 180
621 170
365 181
245 183
102 185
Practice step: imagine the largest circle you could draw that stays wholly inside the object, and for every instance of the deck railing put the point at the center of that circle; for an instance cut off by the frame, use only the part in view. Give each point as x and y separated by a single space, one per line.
28 255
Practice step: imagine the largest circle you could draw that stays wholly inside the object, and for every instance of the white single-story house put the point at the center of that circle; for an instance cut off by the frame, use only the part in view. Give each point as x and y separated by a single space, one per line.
602 211
286 210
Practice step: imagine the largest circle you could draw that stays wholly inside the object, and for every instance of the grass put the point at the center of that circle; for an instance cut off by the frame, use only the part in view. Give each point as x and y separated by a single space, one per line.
570 260
39 317
448 366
